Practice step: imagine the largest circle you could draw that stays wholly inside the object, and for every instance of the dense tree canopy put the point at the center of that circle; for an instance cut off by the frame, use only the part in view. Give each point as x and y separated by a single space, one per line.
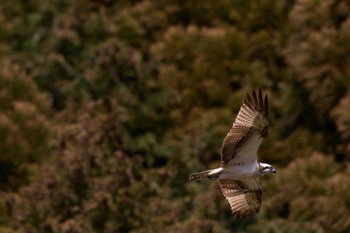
107 106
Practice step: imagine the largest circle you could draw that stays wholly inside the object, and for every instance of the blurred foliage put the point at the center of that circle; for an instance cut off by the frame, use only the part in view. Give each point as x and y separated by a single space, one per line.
108 106
24 124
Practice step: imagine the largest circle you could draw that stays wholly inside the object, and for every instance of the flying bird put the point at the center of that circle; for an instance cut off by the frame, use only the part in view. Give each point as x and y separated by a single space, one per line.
240 171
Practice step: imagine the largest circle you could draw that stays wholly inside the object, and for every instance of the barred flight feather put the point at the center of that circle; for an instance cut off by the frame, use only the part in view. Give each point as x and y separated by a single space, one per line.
245 201
252 119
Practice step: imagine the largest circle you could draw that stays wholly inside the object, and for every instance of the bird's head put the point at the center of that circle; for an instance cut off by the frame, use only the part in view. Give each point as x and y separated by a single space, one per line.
265 168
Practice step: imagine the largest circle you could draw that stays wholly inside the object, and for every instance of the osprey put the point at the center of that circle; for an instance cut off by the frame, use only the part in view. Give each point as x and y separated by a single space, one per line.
239 172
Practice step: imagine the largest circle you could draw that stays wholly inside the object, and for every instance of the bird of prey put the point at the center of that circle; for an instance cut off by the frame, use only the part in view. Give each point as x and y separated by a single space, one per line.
239 172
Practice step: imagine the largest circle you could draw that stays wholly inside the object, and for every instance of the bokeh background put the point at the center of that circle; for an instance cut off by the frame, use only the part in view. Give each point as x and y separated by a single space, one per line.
107 106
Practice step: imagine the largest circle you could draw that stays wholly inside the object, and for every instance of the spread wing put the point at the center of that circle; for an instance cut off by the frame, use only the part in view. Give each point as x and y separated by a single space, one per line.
244 196
250 126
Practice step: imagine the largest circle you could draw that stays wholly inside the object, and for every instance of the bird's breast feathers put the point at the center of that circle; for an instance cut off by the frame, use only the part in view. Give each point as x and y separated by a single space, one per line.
241 171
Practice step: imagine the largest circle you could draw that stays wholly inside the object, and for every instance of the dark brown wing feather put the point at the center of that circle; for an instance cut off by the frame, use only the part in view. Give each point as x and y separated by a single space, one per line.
244 196
252 119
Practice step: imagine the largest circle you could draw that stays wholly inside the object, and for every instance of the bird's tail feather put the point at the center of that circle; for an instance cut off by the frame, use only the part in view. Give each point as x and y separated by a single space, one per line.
199 175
